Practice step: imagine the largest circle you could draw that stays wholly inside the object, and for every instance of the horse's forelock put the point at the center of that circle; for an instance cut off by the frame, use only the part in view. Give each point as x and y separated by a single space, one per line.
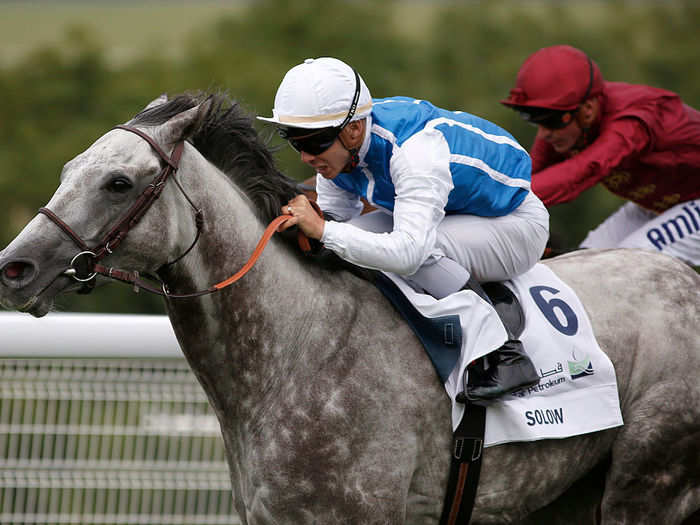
227 138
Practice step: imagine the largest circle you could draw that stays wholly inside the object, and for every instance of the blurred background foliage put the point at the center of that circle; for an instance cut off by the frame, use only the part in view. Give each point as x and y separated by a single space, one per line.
106 61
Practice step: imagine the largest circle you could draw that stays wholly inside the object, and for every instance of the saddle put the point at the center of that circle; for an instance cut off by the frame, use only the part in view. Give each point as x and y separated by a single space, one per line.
441 336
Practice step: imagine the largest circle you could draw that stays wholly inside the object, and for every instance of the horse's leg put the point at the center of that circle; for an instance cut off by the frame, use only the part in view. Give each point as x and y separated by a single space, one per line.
655 472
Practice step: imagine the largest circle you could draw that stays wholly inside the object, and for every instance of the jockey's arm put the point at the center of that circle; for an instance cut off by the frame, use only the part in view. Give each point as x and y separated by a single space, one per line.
564 181
422 182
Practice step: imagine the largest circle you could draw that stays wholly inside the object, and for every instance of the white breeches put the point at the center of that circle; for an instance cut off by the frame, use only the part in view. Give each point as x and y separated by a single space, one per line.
675 232
489 248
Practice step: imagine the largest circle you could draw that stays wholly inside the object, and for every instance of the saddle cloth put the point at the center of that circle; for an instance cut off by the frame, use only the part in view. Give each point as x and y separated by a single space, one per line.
577 392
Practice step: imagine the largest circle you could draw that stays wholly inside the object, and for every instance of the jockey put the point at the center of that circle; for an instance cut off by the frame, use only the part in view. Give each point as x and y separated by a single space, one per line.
452 192
640 142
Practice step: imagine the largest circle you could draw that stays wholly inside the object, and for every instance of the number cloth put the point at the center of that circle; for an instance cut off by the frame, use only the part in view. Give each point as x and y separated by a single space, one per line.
577 392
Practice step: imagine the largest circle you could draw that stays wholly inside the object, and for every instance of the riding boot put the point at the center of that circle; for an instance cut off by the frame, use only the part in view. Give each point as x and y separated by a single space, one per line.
502 371
509 369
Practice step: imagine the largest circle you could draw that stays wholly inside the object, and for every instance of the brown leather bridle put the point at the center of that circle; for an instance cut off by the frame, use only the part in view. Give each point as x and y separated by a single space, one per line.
84 267
134 214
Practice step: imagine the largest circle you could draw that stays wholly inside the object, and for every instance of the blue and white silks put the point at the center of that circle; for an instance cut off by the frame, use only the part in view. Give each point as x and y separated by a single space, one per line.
419 163
490 170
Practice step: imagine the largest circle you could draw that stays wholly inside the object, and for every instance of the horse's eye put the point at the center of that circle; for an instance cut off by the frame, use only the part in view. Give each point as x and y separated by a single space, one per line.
119 185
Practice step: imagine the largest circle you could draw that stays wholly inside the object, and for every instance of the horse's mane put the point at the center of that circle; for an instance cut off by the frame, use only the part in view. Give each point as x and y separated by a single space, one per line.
226 137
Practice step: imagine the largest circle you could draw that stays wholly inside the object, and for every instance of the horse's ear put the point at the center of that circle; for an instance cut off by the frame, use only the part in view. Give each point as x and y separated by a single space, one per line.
182 125
152 104
156 102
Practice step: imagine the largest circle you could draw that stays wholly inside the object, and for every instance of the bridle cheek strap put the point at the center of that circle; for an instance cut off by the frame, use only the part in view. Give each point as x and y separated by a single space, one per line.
132 217
135 279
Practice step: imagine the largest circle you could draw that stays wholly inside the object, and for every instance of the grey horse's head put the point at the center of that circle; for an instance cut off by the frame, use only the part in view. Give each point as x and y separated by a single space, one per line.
100 184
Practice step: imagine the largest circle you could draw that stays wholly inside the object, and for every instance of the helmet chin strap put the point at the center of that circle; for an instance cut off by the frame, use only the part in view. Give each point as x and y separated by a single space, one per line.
353 162
354 157
584 138
586 134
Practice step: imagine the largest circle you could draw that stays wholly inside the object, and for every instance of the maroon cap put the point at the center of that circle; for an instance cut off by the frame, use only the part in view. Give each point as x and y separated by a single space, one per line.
557 77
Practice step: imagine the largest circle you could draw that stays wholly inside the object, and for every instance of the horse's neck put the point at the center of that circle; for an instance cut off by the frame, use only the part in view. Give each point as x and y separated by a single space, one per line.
240 340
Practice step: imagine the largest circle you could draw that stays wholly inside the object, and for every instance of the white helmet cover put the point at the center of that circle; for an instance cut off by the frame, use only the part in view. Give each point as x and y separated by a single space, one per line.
318 94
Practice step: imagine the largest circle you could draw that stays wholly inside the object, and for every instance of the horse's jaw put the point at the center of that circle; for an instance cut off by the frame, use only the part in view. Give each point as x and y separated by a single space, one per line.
38 297
37 304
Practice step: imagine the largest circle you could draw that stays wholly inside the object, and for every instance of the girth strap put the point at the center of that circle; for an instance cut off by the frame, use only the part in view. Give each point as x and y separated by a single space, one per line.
465 467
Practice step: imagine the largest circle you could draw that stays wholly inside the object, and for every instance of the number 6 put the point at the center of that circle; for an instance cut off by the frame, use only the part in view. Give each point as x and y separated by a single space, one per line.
548 310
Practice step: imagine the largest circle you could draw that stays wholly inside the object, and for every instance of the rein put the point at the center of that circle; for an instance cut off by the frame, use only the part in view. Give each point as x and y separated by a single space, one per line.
84 267
135 279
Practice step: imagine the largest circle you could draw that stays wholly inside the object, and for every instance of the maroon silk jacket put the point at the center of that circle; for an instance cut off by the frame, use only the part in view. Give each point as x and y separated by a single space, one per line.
646 149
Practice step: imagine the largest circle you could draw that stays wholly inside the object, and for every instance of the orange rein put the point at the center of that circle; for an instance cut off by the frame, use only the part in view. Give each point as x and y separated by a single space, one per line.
135 279
269 232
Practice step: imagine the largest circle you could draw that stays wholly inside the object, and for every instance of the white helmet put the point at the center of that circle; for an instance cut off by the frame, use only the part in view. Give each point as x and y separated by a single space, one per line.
320 93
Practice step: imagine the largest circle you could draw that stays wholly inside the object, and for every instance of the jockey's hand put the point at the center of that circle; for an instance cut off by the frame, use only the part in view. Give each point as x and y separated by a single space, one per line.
304 216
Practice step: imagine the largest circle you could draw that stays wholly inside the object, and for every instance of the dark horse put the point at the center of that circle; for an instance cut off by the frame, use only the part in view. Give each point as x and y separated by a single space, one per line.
329 408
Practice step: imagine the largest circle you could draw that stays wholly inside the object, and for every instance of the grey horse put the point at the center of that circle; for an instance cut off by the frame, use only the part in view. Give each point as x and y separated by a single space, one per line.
329 409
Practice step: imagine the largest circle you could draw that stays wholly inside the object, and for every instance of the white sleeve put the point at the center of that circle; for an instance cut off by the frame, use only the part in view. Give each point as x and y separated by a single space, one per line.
420 171
342 204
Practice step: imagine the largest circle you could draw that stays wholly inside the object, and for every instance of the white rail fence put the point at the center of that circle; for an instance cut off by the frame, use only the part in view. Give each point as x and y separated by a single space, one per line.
102 422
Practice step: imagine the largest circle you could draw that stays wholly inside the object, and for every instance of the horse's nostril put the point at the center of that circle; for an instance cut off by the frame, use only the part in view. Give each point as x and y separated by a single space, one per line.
16 270
13 270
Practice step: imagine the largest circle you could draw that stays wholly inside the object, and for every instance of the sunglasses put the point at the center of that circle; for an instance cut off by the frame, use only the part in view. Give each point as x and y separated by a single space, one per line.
549 119
313 143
